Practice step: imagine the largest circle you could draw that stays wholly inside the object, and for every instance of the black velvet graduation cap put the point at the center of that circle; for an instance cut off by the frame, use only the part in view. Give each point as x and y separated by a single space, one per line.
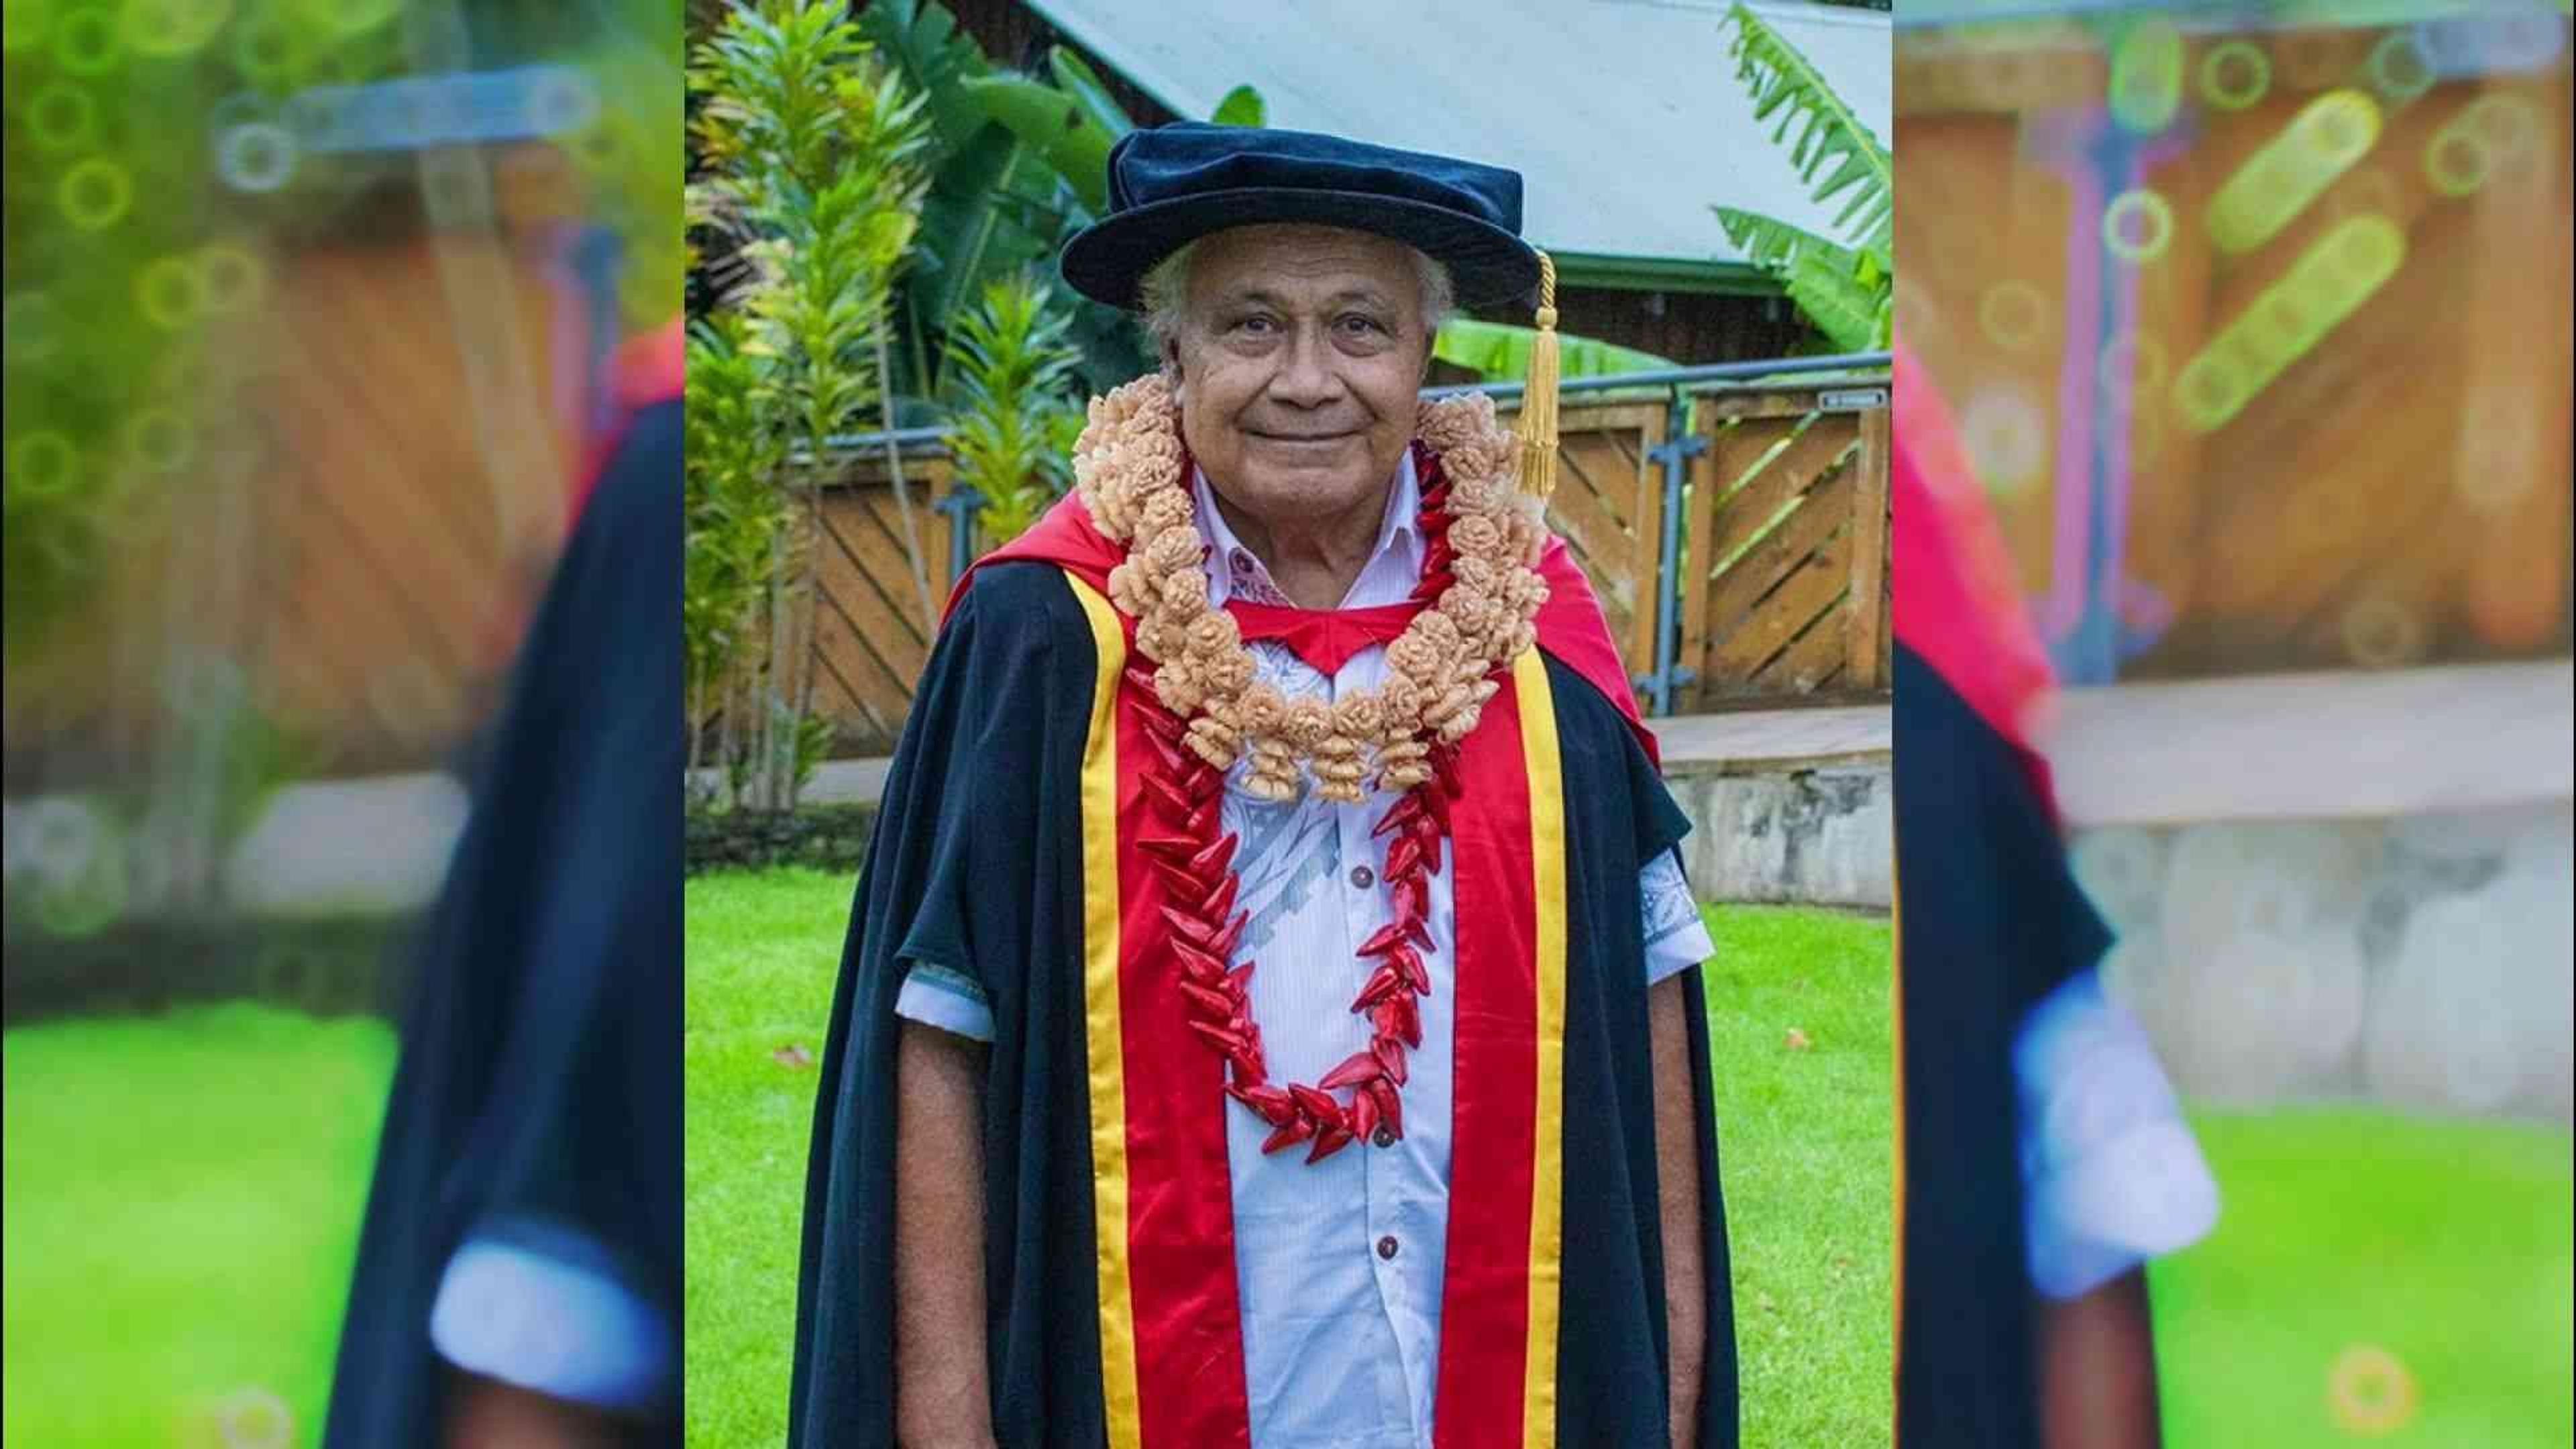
1171 185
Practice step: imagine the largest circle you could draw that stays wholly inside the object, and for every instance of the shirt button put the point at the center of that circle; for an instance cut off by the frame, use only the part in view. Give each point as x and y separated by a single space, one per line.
1384 1137
1386 1247
1362 877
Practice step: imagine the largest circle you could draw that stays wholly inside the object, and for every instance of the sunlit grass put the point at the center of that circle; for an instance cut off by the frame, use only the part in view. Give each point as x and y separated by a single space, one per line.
183 1197
2442 1243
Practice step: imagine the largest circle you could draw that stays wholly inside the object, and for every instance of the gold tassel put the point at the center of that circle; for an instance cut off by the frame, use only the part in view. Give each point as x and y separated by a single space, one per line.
1537 428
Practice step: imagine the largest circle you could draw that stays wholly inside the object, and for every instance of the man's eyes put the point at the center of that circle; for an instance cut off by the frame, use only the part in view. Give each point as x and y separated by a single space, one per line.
1261 324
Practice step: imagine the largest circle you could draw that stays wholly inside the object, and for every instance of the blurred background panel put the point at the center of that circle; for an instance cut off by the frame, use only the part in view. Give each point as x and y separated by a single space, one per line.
310 312
2254 322
2257 329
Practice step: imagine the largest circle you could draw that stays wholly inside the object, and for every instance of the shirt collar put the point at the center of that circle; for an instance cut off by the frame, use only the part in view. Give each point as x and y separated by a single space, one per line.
1235 571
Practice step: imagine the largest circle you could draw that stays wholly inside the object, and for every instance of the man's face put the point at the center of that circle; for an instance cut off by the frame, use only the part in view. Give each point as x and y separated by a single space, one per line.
1300 353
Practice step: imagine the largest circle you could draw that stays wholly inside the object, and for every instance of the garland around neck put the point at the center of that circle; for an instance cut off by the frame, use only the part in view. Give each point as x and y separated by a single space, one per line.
1479 582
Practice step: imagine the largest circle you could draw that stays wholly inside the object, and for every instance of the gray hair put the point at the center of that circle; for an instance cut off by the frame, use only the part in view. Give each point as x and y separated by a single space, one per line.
1165 293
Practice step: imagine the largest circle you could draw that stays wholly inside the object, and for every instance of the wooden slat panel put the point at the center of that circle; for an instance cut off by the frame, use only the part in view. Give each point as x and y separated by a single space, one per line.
1785 616
1738 595
1808 592
868 634
1806 461
387 596
1646 563
1600 465
1811 662
1778 403
1608 506
925 480
873 699
1698 527
1944 75
1590 467
864 571
1863 643
2513 602
852 569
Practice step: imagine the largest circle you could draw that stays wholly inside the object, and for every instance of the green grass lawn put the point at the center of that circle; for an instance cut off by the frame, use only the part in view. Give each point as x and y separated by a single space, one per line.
2443 1243
1804 1138
183 1196
763 948
1805 1151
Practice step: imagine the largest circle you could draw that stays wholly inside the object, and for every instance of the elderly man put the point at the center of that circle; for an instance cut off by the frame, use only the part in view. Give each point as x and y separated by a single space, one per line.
1270 1014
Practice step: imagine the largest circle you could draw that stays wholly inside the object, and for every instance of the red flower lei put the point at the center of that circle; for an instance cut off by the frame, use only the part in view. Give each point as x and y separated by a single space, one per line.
1194 859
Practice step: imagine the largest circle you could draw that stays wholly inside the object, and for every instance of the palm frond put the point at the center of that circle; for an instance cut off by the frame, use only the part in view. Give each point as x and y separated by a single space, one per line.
1772 244
1853 317
1500 351
1835 154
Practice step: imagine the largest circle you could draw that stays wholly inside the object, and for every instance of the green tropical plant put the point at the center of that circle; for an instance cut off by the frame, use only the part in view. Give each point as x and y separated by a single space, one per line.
1242 106
735 514
1844 282
1501 350
1018 164
999 202
809 153
1016 419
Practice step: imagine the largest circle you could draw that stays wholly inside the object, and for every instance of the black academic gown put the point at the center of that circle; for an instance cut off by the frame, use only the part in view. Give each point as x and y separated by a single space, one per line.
978 864
1991 921
540 1067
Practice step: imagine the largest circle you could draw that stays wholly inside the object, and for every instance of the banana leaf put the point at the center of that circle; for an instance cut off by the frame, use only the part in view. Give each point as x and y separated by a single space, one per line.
970 230
923 39
1078 80
1500 351
1784 83
1242 106
1850 315
1055 126
1844 293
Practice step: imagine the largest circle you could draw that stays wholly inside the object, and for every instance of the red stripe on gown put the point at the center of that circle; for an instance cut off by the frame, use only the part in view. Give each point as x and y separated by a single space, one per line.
1484 1298
1180 1203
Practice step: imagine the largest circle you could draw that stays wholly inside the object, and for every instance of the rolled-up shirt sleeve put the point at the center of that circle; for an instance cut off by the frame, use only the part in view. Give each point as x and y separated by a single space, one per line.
543 1308
1676 934
2112 1175
949 1000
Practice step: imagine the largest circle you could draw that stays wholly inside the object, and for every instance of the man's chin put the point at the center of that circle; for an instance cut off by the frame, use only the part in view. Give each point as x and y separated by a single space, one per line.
1300 492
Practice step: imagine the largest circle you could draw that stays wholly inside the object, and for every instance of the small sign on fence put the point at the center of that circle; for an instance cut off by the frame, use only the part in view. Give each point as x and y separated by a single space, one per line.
1851 399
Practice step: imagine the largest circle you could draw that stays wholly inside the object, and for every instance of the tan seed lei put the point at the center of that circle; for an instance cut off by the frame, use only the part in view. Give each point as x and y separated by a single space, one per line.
1128 468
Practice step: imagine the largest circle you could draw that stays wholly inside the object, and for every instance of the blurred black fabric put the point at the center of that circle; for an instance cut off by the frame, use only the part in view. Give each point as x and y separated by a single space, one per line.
1989 921
540 1070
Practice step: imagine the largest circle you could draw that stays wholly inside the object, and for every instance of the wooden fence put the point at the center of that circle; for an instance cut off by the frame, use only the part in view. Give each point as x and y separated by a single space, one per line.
871 639
1785 589
1780 596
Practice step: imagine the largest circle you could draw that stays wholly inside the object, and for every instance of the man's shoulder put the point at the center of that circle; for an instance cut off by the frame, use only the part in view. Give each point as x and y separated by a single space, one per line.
1582 709
1015 606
